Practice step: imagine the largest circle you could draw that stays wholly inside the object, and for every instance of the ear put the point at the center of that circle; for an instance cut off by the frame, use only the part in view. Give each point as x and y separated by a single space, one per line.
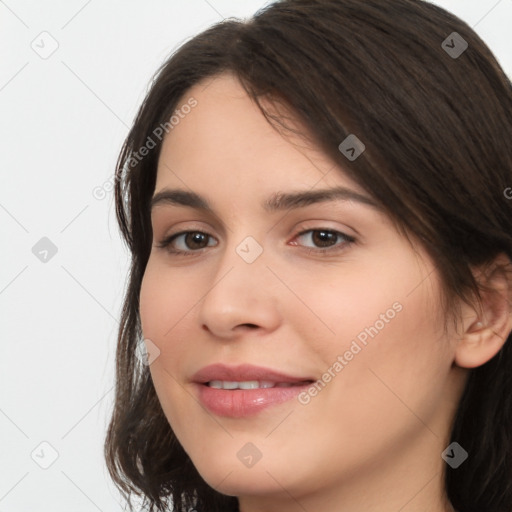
485 332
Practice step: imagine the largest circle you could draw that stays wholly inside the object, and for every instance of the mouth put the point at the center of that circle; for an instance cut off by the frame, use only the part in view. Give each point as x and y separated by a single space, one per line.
245 390
253 384
245 376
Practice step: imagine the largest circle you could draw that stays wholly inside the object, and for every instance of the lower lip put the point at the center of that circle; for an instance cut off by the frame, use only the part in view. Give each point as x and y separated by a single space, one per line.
239 403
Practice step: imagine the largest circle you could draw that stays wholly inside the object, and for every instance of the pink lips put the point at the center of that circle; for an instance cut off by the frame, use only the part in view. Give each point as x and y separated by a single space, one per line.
237 403
242 372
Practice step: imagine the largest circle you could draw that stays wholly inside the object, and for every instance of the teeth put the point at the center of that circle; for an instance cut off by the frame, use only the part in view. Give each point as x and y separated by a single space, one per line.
228 385
248 384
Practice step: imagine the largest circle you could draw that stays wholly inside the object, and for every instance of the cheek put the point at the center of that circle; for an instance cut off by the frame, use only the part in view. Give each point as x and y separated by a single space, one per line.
166 306
383 326
339 306
150 303
163 309
164 302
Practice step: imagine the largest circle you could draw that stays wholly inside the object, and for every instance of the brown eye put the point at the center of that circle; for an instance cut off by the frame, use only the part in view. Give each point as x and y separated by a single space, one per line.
191 242
324 240
193 239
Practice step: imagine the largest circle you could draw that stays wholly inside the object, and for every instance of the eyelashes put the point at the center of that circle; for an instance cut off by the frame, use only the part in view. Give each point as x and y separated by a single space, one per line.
322 235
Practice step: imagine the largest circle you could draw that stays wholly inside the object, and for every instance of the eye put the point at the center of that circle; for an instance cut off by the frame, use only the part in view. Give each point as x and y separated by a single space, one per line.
189 243
191 239
326 239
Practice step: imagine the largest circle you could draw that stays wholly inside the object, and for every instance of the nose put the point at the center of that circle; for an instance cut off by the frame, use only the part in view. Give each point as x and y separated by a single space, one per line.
241 296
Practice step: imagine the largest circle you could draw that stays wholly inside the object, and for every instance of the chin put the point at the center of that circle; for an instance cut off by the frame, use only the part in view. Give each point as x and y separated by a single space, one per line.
234 480
244 483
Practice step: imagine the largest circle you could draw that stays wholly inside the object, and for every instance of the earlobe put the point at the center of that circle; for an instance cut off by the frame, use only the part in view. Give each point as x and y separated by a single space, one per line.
486 335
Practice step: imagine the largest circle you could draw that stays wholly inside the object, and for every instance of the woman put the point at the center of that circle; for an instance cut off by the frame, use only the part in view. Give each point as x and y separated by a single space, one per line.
316 205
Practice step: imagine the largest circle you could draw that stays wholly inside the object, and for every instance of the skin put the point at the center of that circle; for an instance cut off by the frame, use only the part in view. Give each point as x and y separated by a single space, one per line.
372 438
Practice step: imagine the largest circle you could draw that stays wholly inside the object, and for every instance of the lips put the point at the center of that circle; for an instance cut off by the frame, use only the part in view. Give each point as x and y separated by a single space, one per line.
244 373
245 390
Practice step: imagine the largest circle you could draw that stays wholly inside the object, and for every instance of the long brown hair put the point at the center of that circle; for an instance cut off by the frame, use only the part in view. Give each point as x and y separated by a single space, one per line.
436 119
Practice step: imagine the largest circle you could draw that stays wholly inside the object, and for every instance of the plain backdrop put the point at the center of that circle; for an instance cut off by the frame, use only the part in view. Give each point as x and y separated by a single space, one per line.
72 76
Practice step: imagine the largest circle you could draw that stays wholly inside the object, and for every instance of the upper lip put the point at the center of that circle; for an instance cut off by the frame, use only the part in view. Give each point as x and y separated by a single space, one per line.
242 372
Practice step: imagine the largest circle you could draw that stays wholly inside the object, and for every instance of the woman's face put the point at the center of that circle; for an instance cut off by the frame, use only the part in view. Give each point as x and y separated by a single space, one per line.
360 319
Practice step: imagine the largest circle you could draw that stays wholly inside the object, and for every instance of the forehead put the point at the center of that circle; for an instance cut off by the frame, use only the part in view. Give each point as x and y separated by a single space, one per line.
226 137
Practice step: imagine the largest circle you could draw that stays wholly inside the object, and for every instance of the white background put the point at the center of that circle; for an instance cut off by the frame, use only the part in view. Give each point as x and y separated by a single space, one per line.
62 122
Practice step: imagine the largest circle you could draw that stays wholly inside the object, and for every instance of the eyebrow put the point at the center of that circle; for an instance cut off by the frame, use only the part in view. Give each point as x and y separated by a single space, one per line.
276 202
